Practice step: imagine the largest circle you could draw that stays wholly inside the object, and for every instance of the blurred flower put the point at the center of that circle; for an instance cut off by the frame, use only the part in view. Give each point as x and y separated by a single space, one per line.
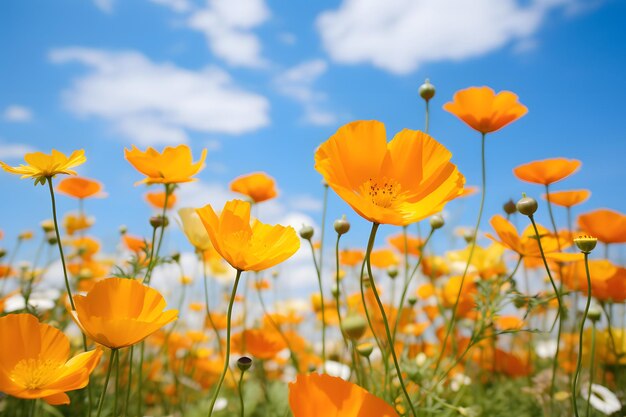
602 399
258 186
35 363
413 243
120 312
134 243
568 198
194 229
484 110
40 166
547 171
509 323
323 395
383 258
246 247
262 344
73 223
399 183
43 300
174 165
351 257
80 187
157 199
608 226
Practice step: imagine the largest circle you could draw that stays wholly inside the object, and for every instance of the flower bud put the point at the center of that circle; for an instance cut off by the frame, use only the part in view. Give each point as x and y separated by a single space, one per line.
436 221
306 232
509 207
365 349
585 243
158 221
527 205
342 226
244 363
176 257
392 271
594 314
427 90
47 226
26 235
354 326
3 252
51 238
335 291
412 300
123 229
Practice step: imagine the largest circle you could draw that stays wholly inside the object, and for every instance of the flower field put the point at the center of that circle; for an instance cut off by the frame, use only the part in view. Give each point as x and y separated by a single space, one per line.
526 318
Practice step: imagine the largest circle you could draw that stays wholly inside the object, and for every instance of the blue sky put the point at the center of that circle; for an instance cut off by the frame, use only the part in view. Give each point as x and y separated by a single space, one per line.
262 83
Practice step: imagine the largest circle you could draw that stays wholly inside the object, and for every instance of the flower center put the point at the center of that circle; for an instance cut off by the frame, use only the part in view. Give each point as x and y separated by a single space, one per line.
35 373
383 192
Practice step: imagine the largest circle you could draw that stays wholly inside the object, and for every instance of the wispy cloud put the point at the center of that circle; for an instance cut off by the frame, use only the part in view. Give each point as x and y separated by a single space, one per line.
228 27
158 103
298 83
400 35
14 150
17 114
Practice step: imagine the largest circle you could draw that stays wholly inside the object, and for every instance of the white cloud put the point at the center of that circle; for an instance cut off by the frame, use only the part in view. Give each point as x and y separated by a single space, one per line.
104 5
179 6
14 150
228 26
305 202
17 114
400 35
287 38
298 83
157 103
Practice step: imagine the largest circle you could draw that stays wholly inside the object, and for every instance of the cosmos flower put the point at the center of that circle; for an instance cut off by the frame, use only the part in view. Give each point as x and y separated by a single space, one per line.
174 165
258 186
41 166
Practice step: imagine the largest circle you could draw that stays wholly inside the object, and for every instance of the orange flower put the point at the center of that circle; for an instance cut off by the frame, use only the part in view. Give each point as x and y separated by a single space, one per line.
608 226
399 183
351 257
74 223
568 198
575 276
120 312
79 187
246 247
383 258
509 323
157 199
258 186
134 243
317 395
547 171
263 344
484 110
34 361
41 166
413 244
172 166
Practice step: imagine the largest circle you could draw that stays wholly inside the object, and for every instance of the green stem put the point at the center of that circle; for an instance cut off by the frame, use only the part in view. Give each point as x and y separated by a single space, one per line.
407 283
59 244
106 381
117 382
140 379
130 379
469 258
427 124
559 313
206 303
591 362
386 324
580 337
337 291
231 302
240 389
319 282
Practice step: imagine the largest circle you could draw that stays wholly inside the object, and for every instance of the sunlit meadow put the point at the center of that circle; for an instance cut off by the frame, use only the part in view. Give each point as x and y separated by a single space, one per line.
395 273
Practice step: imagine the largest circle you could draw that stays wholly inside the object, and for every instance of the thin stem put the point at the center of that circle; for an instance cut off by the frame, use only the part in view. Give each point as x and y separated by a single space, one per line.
591 362
580 337
337 291
130 379
229 314
206 303
427 123
407 283
469 258
386 324
140 379
319 282
106 381
117 382
169 188
58 236
240 389
559 315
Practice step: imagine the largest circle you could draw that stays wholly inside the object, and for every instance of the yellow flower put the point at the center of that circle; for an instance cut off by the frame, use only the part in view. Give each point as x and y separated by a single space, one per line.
246 247
34 361
172 166
41 166
399 183
193 229
120 312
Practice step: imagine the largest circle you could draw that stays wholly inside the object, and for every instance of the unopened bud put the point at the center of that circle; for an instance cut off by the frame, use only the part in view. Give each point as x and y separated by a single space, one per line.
436 221
123 229
585 243
306 232
244 363
412 300
594 314
392 271
47 226
342 226
509 207
427 90
527 205
354 327
365 349
158 221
